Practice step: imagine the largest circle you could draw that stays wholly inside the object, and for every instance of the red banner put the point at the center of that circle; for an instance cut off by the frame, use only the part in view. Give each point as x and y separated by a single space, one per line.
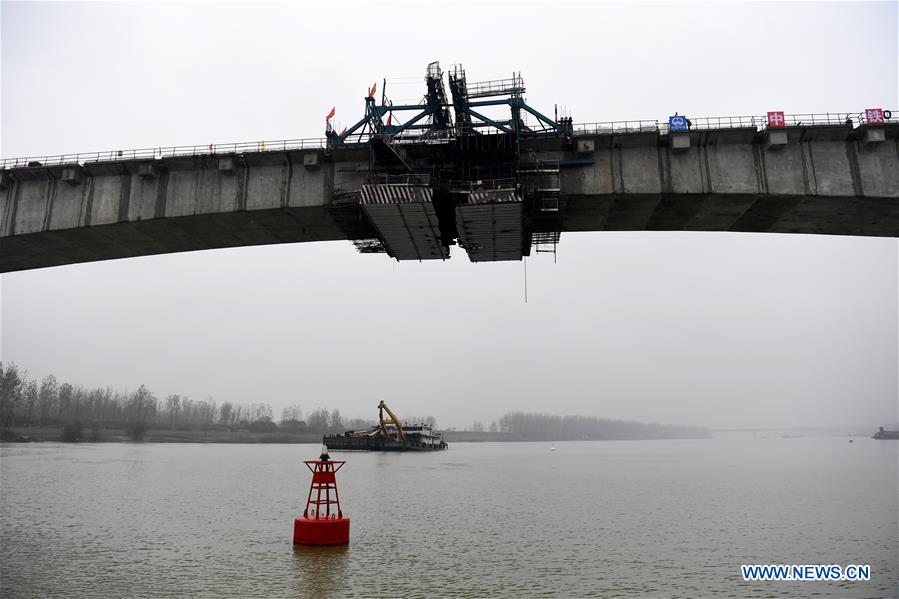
874 116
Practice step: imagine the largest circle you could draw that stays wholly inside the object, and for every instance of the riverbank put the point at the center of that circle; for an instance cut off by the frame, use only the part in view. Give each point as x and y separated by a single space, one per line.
55 433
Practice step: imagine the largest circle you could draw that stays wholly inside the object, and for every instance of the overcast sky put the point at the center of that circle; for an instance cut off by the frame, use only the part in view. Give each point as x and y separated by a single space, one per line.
723 330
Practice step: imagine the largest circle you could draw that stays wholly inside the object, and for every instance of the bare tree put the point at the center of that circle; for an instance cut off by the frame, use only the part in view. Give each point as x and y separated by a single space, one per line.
10 393
64 401
226 414
172 409
47 397
140 412
291 414
207 414
318 420
29 397
292 418
335 422
358 424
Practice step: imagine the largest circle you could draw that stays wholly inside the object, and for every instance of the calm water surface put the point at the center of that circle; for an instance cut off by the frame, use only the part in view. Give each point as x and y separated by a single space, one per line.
643 518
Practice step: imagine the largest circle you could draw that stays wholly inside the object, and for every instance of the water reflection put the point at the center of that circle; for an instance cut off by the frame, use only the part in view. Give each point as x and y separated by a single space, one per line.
321 570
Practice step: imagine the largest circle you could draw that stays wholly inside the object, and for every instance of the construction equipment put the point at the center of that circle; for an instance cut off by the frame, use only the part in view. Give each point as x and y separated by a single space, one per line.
389 434
382 407
452 173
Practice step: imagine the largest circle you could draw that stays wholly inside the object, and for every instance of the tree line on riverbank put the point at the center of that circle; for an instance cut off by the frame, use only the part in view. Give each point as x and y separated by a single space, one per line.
90 413
551 427
84 413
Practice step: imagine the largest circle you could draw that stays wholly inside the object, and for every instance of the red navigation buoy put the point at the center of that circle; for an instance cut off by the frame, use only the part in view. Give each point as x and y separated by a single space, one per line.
322 522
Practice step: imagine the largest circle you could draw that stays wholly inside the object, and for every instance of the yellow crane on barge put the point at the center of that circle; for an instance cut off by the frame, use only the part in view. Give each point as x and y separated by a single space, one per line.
382 407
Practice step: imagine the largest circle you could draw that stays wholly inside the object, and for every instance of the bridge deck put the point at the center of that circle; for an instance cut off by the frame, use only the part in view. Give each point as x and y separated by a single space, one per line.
820 179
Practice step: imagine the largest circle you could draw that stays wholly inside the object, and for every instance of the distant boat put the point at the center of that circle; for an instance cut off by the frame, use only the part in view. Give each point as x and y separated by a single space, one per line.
389 435
882 434
553 448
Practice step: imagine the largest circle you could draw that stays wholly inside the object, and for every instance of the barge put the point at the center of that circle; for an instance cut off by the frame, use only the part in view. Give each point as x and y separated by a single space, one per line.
886 434
389 435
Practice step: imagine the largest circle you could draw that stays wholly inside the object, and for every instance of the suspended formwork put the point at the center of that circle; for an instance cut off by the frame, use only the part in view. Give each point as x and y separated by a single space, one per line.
405 220
489 222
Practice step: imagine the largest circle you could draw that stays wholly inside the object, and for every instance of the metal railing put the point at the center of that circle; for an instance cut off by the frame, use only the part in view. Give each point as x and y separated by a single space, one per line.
412 179
854 119
827 118
496 87
761 122
616 127
163 152
507 184
726 122
722 122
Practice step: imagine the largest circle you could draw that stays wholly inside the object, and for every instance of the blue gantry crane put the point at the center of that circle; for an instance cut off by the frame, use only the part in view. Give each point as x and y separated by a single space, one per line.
431 118
444 171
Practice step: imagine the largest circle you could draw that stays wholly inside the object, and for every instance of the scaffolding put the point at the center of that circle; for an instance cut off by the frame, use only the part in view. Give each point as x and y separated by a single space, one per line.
542 183
463 178
435 99
497 87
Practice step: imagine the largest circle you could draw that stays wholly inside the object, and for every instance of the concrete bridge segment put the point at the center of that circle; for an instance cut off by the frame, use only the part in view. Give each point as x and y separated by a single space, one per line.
818 179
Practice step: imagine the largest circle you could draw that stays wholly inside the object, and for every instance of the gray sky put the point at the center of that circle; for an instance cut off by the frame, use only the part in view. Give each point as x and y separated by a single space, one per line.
713 329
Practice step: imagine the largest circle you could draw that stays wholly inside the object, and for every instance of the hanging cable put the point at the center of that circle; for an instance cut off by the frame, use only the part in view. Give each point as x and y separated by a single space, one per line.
525 280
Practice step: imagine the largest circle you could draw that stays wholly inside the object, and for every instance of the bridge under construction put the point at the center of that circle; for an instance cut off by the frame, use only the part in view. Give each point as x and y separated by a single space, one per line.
471 165
442 172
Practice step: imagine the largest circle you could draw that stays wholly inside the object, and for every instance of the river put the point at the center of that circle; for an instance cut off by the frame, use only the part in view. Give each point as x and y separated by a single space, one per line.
619 518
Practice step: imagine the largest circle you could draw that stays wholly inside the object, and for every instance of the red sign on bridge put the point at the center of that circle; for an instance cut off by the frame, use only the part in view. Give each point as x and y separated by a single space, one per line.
776 119
874 116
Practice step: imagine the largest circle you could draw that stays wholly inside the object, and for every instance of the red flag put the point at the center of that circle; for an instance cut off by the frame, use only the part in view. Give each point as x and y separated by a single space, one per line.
374 88
389 118
344 131
330 114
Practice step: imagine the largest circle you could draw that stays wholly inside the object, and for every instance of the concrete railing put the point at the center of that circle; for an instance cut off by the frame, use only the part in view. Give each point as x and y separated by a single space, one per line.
598 128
